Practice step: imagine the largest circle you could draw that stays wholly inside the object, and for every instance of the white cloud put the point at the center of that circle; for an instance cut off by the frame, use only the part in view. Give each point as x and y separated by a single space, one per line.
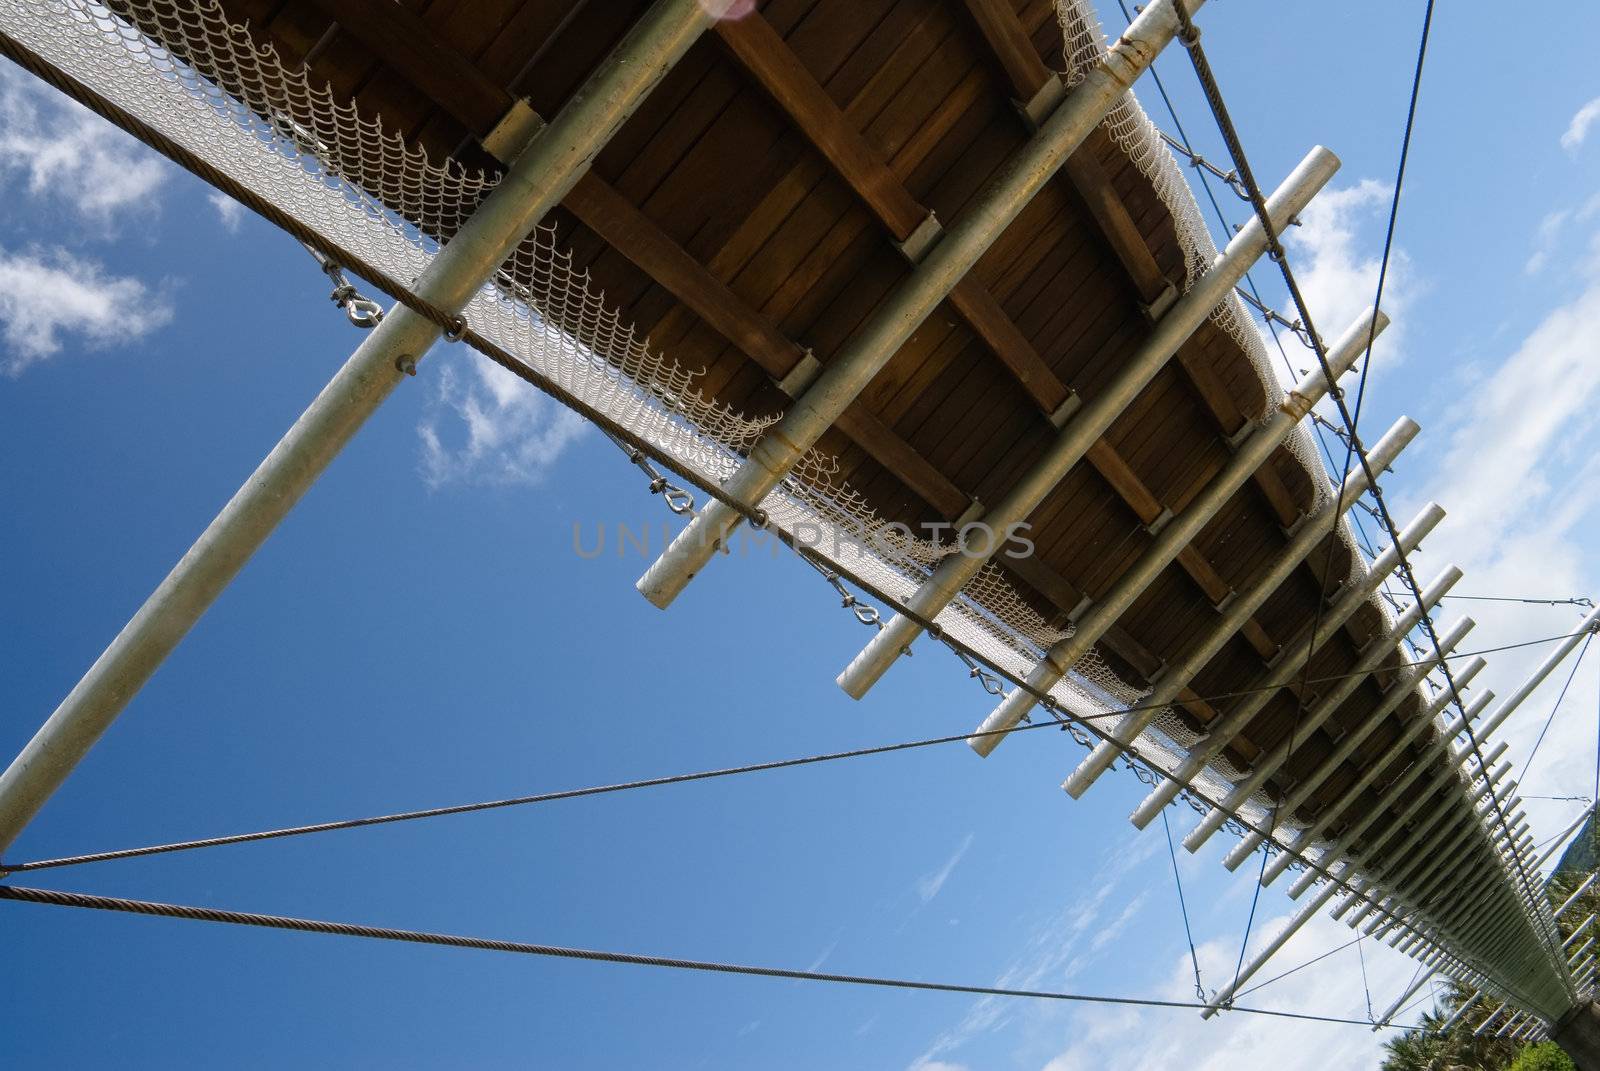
1338 279
45 295
1556 226
66 152
512 433
229 211
1520 483
930 885
1578 128
1097 1037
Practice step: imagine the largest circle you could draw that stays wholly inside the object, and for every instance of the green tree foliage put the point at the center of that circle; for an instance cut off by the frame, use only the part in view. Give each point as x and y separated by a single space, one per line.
1424 1049
1545 1056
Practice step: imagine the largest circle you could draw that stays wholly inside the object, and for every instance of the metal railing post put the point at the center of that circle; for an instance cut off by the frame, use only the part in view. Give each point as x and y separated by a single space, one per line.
554 159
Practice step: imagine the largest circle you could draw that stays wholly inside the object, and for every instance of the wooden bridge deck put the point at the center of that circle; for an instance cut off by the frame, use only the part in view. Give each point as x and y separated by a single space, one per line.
753 212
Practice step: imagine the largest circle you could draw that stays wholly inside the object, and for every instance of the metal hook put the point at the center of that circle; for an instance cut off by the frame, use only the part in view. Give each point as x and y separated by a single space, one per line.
363 312
678 500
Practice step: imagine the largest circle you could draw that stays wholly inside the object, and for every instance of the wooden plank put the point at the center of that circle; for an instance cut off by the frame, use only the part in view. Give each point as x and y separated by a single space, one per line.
405 43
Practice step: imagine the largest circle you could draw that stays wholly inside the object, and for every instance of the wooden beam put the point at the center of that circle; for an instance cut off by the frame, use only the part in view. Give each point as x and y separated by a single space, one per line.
1118 228
1011 47
978 307
767 58
624 227
403 41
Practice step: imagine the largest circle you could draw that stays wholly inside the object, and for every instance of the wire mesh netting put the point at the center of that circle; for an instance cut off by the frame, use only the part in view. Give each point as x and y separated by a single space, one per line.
182 68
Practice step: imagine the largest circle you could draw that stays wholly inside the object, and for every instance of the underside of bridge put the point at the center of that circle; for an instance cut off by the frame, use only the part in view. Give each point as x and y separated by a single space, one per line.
887 268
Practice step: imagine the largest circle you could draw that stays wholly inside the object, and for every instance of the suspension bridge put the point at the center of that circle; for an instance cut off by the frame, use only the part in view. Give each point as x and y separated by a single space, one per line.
921 290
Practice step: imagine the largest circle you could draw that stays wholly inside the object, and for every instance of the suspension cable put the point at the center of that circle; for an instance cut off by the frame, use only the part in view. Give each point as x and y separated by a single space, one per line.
1183 907
577 793
1580 600
1310 962
1523 776
384 933
1190 38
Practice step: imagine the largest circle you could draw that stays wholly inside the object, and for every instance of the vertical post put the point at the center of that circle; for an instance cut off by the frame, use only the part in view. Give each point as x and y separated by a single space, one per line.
545 171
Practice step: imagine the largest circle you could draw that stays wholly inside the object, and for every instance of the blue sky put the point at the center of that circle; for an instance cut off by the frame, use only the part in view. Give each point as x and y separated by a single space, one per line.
421 632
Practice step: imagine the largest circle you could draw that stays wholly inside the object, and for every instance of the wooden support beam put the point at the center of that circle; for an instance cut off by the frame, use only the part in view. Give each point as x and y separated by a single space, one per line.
1011 47
404 42
1119 230
621 224
767 58
978 307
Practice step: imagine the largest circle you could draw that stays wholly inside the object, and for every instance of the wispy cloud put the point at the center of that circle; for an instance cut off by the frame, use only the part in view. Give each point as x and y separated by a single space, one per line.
822 957
1061 946
1578 128
229 212
930 885
486 426
67 153
1102 1037
46 295
1556 226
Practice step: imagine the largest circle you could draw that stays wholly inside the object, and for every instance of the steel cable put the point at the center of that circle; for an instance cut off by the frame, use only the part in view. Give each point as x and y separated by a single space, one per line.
564 794
1190 38
384 933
